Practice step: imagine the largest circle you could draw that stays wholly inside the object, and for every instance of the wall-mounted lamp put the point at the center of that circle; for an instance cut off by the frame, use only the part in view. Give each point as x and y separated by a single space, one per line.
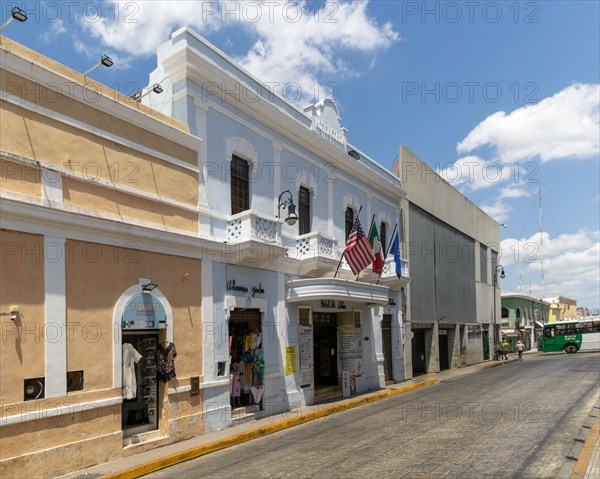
14 313
149 287
501 269
291 207
105 60
16 14
354 154
156 88
504 225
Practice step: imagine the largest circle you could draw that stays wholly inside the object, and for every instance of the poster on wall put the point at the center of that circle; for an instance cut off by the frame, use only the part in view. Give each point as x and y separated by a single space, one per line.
290 360
350 350
306 355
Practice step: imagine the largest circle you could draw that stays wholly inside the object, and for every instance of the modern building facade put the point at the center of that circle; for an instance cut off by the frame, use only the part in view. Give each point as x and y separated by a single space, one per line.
453 298
279 290
523 317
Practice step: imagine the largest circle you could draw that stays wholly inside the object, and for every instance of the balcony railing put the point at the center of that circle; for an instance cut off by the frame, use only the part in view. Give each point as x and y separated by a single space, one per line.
250 226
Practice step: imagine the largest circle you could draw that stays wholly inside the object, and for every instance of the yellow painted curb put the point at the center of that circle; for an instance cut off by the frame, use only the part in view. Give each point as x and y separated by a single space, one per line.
179 457
586 452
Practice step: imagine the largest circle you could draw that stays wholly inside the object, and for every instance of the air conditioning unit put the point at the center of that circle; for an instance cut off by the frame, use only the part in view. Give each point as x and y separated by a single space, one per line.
34 389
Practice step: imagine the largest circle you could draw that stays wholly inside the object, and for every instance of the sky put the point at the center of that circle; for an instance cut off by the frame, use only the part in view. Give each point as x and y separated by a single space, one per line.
501 98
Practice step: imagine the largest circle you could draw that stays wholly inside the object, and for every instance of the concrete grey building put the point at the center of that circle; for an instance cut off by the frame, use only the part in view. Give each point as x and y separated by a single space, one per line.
453 298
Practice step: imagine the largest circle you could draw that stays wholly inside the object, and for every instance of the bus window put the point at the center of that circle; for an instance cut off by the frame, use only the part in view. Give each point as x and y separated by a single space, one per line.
549 333
584 328
596 327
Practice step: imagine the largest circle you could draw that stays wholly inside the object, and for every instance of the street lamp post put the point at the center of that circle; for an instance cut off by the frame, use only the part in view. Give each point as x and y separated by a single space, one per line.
498 268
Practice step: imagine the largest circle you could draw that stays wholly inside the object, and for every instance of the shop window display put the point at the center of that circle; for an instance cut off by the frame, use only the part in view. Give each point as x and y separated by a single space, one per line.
247 362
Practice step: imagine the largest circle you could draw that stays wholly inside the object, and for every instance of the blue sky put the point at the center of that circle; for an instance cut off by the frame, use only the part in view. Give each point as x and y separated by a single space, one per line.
501 97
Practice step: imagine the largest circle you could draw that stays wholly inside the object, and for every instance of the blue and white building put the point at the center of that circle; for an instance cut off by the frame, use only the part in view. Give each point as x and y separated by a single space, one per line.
259 154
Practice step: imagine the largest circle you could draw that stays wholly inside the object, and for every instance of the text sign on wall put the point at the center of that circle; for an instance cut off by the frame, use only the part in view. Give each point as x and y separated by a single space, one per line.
350 350
290 360
306 356
144 311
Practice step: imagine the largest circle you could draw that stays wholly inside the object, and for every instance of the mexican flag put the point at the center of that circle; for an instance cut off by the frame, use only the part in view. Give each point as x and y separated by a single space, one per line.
377 251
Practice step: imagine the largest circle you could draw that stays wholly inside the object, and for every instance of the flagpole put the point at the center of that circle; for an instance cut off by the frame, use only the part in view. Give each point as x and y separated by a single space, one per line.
338 266
387 251
370 227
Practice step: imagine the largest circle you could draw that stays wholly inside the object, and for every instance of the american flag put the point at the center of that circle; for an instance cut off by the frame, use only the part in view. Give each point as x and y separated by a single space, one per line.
358 251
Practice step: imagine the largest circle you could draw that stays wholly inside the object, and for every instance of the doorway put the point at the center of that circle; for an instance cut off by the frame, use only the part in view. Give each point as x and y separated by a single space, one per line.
325 349
140 383
418 352
247 358
386 338
443 349
485 339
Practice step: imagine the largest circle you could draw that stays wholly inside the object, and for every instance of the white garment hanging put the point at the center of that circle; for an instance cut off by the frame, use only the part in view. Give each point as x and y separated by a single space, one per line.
130 358
256 341
257 393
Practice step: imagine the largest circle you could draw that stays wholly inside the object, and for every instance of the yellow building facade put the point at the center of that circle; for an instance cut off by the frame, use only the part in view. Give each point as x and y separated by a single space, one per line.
562 309
101 272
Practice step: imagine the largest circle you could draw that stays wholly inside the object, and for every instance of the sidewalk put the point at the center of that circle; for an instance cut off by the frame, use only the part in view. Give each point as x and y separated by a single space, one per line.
159 458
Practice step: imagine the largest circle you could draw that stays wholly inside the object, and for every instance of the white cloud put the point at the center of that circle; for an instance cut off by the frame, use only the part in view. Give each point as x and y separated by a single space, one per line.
471 173
294 42
571 264
564 125
56 28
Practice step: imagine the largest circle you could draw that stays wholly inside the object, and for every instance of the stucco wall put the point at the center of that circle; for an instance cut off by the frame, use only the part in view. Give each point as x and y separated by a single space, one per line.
17 177
22 349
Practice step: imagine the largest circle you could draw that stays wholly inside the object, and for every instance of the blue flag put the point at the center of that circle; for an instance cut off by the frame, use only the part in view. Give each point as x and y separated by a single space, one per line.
396 253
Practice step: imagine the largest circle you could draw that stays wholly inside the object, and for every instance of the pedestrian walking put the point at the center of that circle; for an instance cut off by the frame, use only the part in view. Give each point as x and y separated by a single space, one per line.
520 349
505 348
499 351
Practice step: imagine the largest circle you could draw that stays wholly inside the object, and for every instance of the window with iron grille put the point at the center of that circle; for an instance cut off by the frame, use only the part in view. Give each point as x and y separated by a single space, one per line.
240 188
303 210
349 221
383 237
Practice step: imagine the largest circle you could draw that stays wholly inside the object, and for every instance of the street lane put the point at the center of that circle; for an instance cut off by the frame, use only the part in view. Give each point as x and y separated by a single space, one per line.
519 420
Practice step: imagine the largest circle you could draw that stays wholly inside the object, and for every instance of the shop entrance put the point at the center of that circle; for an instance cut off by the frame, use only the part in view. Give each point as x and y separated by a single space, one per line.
418 352
247 358
325 349
386 338
485 339
140 382
443 349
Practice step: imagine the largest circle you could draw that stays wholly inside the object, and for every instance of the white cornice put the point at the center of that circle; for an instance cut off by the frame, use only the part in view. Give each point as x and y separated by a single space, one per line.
335 288
41 75
200 69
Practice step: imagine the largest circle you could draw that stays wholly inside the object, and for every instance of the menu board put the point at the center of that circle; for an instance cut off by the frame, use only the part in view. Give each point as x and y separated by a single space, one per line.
306 355
350 350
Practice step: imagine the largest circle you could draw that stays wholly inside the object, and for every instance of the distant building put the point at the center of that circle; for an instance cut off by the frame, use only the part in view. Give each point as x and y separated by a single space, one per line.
562 308
523 317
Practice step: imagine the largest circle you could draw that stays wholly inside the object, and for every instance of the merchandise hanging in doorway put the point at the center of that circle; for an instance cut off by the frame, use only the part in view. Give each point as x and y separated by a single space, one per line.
247 361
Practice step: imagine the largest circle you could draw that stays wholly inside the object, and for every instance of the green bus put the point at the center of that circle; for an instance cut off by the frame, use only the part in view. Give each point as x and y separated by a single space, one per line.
571 336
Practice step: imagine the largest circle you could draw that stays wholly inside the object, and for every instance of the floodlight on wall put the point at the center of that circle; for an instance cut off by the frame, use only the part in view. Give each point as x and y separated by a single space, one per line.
291 207
147 288
156 88
354 154
105 60
15 14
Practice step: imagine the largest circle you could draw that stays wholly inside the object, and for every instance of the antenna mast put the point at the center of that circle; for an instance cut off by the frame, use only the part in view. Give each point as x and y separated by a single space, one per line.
540 192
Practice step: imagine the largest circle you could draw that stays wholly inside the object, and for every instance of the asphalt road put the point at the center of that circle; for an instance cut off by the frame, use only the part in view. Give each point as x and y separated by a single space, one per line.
522 420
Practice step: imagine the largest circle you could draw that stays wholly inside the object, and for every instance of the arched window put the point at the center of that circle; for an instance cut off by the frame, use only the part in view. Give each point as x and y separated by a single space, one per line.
505 312
518 313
